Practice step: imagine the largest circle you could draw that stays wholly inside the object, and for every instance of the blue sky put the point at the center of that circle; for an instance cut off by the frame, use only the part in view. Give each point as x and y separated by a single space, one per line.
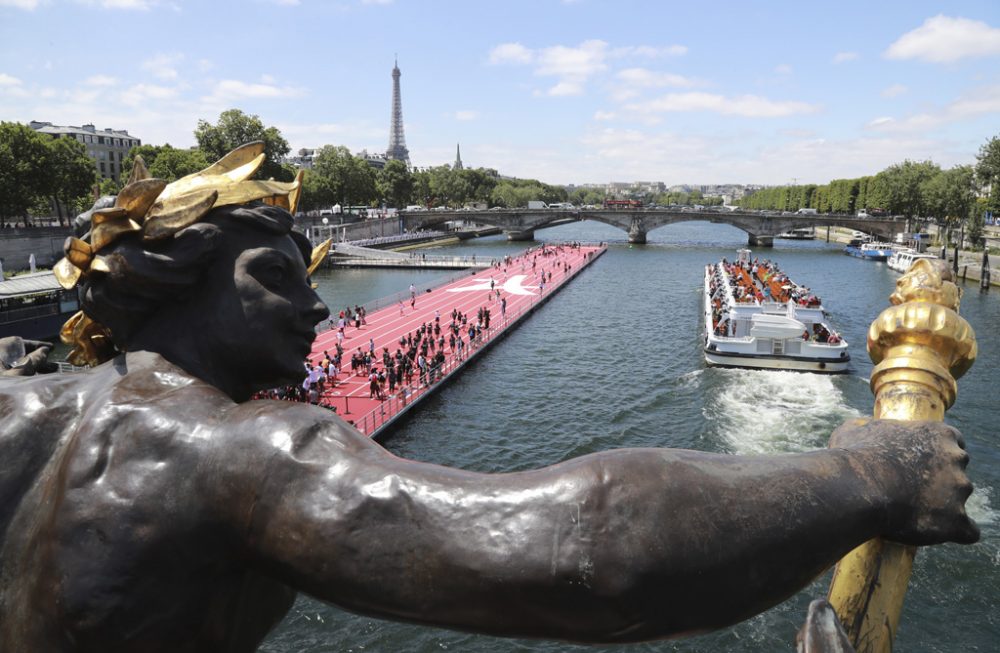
567 92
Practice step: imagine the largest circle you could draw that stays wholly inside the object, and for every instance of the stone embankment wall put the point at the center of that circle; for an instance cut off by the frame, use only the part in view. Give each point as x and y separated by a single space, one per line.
352 230
46 243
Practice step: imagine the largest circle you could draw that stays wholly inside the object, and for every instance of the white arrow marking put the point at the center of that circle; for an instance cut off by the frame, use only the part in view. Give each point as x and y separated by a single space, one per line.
512 286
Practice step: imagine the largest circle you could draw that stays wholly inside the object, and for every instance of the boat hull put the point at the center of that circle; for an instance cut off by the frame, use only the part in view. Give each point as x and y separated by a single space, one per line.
873 255
717 358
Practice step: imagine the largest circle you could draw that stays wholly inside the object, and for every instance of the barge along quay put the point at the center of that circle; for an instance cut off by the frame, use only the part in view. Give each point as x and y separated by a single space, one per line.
756 317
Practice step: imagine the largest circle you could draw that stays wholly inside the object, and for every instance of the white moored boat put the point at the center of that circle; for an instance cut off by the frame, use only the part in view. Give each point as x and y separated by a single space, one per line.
902 259
756 317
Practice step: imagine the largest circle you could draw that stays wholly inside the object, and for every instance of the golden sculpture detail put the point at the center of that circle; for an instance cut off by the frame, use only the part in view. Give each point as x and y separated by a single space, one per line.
159 210
318 254
920 346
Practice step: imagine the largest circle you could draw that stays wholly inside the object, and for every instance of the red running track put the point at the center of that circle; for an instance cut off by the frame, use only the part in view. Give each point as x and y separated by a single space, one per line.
518 282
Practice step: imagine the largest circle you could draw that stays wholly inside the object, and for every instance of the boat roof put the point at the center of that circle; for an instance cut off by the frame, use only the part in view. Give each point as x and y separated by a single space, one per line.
29 284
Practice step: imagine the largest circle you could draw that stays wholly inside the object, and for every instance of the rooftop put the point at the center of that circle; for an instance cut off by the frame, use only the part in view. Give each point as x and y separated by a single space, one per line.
29 284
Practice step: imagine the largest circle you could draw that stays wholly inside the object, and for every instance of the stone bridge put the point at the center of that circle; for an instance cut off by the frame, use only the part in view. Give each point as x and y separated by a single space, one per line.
761 228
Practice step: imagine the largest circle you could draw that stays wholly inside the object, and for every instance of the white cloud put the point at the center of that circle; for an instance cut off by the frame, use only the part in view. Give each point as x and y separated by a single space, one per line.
233 89
576 65
751 106
354 135
783 69
979 102
466 115
20 4
650 51
141 94
943 39
510 53
645 78
141 5
893 91
604 115
287 3
577 62
8 80
565 88
163 65
100 80
883 120
376 2
843 57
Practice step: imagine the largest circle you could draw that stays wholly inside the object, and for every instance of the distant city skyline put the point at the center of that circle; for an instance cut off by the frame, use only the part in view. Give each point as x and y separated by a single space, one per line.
568 92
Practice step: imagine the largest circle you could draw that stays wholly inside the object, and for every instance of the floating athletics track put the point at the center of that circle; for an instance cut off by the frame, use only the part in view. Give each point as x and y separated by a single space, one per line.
517 282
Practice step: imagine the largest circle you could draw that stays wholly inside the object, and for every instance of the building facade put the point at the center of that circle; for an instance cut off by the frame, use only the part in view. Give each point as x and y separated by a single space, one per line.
108 148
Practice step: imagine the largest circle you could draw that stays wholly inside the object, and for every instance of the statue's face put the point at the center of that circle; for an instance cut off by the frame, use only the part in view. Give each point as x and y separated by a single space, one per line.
266 308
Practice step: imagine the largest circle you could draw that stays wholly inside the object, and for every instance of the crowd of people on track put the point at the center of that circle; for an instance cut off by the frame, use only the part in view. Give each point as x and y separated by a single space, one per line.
421 357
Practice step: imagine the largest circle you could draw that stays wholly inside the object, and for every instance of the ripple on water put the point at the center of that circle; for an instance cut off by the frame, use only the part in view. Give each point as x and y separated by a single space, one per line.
764 412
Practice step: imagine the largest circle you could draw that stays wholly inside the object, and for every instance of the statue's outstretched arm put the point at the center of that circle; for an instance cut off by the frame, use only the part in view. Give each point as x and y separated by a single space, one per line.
619 546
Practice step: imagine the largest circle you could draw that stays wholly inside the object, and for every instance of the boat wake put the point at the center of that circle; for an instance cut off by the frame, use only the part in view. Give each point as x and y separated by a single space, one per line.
764 412
979 509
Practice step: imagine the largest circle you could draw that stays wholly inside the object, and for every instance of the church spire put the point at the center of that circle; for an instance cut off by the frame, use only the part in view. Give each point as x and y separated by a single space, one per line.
458 157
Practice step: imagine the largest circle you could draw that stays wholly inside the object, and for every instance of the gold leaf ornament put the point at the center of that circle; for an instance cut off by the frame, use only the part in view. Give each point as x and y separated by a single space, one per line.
138 196
318 254
109 225
159 210
167 217
91 341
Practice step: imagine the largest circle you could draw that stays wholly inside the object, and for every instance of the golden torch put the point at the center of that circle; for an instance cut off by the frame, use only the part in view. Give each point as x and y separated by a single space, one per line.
920 346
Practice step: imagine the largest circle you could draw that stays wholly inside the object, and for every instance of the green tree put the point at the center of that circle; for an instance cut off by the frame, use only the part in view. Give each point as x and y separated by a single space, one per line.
395 184
171 164
235 128
902 186
71 175
421 188
24 173
316 193
479 183
148 154
343 177
949 196
988 172
108 186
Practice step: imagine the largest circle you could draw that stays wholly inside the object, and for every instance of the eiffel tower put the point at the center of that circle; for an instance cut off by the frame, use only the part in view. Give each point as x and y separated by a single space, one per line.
397 142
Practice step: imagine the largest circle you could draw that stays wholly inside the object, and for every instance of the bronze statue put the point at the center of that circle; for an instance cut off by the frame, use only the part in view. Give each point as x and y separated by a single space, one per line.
147 505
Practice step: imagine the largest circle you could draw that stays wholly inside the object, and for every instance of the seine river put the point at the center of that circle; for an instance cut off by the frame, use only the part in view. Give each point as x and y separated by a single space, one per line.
614 360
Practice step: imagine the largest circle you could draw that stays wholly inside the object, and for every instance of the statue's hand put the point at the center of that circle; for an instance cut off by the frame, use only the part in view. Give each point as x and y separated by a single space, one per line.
920 469
23 357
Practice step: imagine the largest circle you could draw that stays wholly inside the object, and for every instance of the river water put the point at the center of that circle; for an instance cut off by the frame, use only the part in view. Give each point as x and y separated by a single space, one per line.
571 380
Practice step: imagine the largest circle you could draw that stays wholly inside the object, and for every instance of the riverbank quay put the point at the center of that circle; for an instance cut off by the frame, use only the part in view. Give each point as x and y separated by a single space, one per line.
970 263
348 255
510 290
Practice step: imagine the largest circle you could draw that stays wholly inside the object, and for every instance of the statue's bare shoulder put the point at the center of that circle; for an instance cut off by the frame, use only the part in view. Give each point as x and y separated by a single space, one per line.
148 477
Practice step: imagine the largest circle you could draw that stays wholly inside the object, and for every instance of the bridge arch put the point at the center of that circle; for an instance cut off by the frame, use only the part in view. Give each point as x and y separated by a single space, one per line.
761 228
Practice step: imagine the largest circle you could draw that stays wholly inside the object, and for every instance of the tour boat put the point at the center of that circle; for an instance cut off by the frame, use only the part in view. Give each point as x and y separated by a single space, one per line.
756 317
35 306
806 233
902 259
870 251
